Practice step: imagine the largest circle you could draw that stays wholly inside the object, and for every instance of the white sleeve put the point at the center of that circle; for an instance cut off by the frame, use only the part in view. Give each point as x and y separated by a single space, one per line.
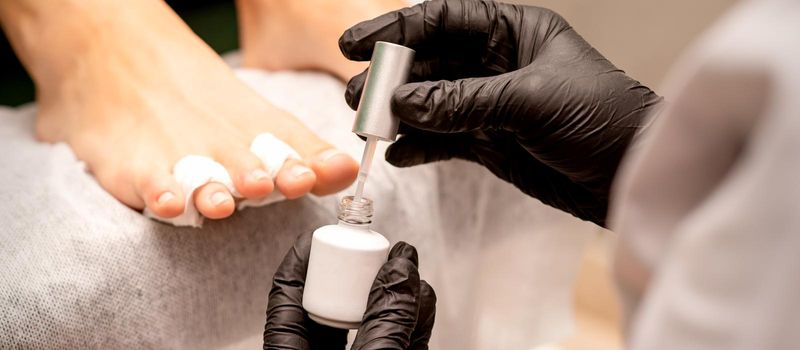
707 208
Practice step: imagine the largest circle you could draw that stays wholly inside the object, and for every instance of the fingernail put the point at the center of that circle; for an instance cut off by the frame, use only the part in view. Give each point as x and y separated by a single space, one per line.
299 170
165 197
324 156
218 198
259 174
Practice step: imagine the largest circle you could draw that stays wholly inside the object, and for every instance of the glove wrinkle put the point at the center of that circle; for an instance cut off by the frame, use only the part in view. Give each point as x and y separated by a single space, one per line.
483 67
425 318
393 306
391 316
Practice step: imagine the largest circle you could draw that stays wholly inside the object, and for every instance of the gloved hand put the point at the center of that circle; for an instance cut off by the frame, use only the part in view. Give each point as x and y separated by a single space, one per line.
400 311
513 88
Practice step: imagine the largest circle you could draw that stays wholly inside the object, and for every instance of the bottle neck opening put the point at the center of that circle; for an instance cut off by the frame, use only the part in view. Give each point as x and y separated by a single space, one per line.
355 212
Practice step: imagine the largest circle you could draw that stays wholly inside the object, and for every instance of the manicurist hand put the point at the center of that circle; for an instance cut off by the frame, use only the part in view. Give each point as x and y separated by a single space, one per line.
399 315
513 88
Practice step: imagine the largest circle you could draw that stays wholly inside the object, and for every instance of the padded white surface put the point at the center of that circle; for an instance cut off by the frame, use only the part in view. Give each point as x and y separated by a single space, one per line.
80 270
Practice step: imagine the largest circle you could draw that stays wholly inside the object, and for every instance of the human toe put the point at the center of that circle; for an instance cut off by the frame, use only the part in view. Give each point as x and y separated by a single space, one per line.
162 195
214 201
295 179
248 173
335 170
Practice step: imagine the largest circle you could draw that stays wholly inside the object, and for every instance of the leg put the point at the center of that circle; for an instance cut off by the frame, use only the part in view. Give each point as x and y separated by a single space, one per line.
303 34
79 270
132 90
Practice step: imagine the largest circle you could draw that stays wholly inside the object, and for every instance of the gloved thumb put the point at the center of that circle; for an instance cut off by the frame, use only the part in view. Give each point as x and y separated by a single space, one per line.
427 315
450 106
393 305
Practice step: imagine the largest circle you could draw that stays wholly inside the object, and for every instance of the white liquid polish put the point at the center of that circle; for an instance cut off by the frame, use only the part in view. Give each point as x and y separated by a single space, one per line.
344 260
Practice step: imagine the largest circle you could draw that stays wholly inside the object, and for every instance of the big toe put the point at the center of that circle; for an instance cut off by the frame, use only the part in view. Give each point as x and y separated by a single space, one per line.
332 170
335 170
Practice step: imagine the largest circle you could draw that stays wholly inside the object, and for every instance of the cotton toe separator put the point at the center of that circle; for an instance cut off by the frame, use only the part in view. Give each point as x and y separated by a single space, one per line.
194 171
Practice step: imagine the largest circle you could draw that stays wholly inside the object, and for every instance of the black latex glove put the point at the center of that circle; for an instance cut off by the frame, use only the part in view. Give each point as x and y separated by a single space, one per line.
513 88
400 311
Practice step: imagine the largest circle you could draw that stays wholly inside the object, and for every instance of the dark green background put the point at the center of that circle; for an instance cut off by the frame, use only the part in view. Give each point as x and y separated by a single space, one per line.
212 20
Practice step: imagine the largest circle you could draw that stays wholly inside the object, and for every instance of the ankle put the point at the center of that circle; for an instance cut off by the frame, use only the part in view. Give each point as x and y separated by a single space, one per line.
46 35
56 39
287 34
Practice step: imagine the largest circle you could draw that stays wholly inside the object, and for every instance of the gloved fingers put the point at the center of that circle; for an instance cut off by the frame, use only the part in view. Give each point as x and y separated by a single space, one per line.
325 337
403 129
423 26
352 94
420 70
506 159
404 27
424 147
451 106
288 326
427 315
393 304
403 250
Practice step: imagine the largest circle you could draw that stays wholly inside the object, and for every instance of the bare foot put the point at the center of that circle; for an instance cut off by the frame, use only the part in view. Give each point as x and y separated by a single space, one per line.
132 90
291 34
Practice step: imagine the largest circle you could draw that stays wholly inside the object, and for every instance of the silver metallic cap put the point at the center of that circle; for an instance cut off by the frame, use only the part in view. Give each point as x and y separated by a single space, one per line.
388 69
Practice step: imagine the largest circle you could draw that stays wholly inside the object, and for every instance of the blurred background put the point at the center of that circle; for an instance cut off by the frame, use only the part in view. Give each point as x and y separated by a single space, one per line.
212 20
642 37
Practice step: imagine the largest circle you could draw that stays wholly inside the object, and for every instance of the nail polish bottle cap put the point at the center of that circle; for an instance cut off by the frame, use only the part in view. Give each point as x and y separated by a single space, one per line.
388 69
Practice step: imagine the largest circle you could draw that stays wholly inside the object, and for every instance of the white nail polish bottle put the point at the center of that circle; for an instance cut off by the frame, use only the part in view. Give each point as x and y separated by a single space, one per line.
346 257
344 260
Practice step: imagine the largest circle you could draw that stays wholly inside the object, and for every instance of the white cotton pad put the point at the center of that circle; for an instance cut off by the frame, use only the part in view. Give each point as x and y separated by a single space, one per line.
273 153
194 171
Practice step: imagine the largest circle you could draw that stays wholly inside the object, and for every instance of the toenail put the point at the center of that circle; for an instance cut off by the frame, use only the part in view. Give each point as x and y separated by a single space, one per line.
299 171
324 156
165 197
218 198
259 174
